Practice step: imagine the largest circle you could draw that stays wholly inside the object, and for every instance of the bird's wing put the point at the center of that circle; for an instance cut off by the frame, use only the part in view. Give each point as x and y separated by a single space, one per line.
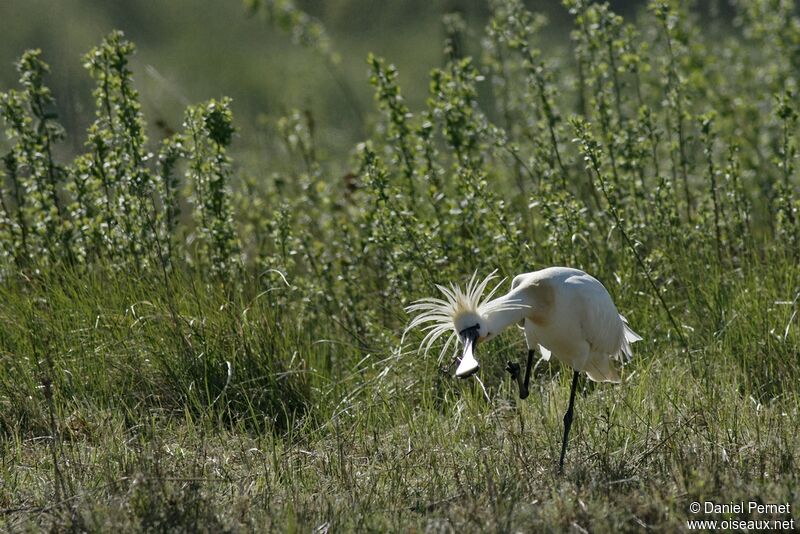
602 325
518 280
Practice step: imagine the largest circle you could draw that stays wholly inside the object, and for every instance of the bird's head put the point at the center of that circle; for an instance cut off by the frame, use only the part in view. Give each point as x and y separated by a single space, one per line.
462 313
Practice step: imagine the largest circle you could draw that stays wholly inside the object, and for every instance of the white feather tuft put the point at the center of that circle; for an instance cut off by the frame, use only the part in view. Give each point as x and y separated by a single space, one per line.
545 353
443 314
629 337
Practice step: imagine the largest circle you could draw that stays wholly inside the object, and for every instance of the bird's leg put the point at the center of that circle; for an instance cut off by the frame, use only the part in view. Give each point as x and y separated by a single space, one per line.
524 391
568 421
522 383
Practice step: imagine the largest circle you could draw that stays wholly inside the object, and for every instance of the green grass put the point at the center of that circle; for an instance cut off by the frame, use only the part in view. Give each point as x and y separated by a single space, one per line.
191 343
384 443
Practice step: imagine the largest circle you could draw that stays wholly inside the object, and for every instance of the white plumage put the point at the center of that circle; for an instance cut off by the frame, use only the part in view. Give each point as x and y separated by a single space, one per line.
564 312
581 327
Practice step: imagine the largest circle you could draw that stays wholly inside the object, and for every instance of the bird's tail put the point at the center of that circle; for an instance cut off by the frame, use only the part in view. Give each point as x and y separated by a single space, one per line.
629 337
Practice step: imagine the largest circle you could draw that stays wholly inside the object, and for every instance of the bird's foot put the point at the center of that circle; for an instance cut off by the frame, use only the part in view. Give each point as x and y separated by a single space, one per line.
513 368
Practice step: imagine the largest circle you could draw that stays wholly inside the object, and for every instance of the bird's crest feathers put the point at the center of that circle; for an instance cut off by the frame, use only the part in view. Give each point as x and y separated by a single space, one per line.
458 309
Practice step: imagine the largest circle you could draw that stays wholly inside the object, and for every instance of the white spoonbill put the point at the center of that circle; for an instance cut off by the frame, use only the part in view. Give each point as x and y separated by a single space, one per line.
565 312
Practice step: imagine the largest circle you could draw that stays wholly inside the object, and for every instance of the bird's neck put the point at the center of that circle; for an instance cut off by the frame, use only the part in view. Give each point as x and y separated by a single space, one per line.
515 306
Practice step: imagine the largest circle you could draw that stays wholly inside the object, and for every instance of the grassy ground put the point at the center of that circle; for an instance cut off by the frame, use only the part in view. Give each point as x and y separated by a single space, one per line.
193 344
384 443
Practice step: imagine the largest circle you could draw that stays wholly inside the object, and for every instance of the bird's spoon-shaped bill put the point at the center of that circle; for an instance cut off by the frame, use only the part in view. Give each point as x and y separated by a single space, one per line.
469 365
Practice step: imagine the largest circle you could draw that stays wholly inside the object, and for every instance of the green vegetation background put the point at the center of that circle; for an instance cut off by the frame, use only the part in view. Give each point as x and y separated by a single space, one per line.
192 50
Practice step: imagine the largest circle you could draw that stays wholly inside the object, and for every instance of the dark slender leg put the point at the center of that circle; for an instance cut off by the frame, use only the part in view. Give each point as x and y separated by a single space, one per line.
568 421
523 393
513 368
